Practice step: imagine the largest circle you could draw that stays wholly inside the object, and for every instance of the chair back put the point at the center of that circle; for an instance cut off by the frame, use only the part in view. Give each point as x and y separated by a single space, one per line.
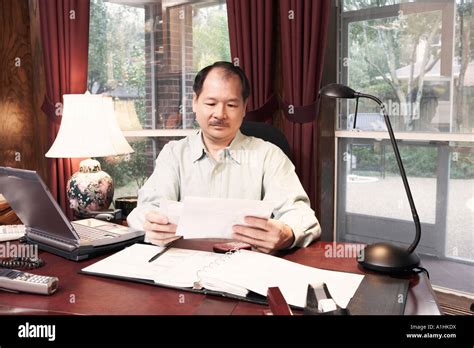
266 132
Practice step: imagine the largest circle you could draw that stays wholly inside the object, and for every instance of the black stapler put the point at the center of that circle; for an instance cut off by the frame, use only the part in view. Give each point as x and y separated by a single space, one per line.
320 302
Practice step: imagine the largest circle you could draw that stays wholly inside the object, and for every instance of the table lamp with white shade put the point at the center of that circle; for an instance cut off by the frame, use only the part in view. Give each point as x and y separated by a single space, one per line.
89 129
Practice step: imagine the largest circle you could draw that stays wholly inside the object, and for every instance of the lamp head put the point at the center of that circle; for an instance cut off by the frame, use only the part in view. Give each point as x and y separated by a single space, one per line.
336 90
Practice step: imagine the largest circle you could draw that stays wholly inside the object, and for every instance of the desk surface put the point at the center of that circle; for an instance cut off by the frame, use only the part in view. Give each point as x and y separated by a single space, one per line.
85 294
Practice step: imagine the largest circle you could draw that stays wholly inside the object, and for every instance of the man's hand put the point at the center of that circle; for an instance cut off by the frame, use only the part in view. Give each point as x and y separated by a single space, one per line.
158 229
266 235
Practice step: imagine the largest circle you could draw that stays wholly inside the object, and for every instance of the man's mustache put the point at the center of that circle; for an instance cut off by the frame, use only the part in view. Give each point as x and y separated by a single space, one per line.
218 123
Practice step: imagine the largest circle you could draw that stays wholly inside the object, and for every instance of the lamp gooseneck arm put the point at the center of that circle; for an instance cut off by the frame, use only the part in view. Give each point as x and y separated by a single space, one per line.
414 213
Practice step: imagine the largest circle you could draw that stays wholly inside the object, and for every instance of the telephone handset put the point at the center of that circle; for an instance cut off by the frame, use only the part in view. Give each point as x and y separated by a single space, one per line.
18 281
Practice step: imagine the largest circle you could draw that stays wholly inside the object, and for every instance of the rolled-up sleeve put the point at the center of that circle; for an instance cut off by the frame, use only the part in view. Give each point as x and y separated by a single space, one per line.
283 187
162 184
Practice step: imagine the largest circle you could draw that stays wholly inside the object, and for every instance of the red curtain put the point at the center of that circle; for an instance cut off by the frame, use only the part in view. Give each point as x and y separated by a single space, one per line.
251 33
304 26
65 40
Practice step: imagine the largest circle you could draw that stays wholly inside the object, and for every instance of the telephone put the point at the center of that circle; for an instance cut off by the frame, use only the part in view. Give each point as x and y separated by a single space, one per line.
18 281
11 232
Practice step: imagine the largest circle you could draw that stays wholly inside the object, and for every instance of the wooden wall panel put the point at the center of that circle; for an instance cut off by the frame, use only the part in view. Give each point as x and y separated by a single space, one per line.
39 90
19 126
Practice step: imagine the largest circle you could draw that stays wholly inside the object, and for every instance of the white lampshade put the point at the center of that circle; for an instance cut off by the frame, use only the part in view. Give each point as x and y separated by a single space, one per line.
88 129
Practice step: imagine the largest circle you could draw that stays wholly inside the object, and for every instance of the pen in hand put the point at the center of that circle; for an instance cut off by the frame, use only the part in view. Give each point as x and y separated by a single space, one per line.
159 254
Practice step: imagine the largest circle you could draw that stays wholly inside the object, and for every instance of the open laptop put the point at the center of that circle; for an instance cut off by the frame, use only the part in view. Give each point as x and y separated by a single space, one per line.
47 226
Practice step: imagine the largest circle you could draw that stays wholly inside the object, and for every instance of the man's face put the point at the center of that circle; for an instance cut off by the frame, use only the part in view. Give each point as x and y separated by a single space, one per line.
220 107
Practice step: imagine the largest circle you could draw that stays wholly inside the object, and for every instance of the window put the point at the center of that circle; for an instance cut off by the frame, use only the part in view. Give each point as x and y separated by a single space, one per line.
145 55
418 57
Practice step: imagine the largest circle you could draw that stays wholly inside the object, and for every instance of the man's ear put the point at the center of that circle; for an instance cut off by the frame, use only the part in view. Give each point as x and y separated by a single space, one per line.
195 97
245 108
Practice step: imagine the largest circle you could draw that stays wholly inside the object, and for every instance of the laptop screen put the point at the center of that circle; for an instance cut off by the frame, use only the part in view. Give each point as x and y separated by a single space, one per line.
32 202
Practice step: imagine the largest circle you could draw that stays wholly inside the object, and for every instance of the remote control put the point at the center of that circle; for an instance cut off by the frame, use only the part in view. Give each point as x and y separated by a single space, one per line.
14 280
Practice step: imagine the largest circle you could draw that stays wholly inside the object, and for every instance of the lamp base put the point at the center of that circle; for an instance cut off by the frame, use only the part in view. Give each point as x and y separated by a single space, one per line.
388 258
89 189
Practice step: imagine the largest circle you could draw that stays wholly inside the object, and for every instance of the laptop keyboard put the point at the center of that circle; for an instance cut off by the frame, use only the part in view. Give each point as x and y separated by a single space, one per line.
91 233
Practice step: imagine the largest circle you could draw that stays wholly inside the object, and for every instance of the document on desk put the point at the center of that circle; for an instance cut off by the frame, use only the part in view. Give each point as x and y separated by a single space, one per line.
214 217
235 274
131 262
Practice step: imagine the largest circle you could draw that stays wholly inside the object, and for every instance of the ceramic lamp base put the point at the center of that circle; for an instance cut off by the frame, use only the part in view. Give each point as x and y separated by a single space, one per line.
90 189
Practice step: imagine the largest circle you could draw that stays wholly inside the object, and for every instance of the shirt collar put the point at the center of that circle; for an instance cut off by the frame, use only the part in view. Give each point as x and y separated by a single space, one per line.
198 149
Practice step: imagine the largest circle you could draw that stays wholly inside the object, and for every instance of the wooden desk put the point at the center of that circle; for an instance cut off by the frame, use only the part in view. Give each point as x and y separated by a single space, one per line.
85 294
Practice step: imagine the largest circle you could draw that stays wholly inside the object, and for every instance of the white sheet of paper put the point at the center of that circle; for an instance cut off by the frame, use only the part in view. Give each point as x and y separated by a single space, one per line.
130 262
176 267
180 267
172 210
214 217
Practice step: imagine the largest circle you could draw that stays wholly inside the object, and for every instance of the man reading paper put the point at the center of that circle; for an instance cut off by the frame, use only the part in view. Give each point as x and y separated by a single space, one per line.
219 161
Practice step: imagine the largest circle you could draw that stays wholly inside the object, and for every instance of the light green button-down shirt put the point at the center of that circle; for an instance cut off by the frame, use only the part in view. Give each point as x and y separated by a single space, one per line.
249 168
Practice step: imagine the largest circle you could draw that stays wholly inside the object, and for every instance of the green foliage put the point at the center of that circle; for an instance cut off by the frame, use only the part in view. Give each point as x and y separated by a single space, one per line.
419 161
383 53
141 110
116 47
351 5
464 16
128 168
98 23
210 36
134 167
462 167
367 158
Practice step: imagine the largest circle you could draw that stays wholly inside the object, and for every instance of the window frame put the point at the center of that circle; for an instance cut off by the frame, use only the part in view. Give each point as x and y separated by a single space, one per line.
442 141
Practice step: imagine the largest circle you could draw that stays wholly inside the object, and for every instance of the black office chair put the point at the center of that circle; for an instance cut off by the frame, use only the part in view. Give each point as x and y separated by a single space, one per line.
266 132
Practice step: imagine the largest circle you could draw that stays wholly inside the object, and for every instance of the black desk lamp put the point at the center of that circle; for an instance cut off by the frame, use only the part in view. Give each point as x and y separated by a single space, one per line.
383 257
